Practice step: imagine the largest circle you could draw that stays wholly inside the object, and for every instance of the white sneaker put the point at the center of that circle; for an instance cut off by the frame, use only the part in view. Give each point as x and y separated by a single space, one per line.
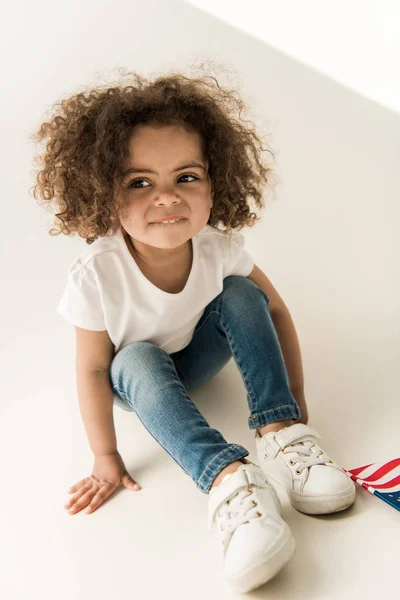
256 541
315 484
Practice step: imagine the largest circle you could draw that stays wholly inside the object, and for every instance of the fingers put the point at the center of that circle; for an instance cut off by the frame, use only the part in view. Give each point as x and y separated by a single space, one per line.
104 492
130 483
80 499
76 487
89 495
78 494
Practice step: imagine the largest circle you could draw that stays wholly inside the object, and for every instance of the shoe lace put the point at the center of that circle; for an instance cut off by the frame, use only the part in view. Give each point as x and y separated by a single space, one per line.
237 511
308 454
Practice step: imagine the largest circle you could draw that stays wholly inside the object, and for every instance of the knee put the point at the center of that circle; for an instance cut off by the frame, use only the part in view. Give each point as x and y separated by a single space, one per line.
133 358
240 287
136 372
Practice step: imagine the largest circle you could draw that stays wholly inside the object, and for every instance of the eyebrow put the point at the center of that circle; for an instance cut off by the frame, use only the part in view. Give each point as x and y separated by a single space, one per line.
136 170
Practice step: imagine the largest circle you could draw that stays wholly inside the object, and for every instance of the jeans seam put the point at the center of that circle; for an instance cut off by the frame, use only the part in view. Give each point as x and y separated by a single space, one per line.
261 419
205 320
162 446
241 370
269 410
124 398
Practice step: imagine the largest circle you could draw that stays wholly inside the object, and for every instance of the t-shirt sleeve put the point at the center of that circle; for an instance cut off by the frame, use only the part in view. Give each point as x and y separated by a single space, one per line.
81 303
241 263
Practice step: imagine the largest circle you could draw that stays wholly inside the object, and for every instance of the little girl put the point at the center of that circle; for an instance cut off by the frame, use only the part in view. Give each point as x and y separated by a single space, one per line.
157 176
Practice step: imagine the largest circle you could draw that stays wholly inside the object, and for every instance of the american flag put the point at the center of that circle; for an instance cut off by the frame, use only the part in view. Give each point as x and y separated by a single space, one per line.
381 479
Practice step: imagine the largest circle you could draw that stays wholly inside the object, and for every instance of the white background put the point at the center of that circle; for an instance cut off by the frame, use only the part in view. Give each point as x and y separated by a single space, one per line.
328 241
356 42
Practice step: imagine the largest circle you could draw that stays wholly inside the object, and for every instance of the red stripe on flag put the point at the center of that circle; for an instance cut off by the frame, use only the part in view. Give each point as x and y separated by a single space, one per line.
358 470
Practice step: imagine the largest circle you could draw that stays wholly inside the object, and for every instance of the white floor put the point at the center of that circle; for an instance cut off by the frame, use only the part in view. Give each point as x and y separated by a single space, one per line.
329 244
155 543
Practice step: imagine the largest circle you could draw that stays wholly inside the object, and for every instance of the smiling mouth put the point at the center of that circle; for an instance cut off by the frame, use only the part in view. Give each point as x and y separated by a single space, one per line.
169 222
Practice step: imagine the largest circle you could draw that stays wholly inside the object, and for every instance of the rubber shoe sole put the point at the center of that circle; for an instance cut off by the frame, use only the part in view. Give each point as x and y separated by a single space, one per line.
314 505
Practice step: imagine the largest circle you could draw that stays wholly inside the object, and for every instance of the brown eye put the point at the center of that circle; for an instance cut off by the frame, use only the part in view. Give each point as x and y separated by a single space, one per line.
132 184
187 175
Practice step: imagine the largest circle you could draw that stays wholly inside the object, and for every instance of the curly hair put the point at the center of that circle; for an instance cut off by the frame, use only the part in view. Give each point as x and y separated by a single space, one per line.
88 137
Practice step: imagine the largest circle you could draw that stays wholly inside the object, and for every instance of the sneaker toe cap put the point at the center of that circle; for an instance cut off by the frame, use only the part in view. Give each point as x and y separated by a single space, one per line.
250 542
323 479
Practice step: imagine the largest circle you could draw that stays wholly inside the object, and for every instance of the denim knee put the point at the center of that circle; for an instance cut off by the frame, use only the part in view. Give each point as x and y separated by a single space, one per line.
133 351
241 286
136 359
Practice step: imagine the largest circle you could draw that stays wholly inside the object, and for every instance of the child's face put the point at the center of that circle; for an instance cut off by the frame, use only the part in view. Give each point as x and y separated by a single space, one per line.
166 191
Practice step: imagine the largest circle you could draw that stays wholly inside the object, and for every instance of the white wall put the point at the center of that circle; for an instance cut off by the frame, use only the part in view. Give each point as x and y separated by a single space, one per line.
329 243
354 42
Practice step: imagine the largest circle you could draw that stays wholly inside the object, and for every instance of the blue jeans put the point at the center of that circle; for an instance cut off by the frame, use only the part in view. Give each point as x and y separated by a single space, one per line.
155 384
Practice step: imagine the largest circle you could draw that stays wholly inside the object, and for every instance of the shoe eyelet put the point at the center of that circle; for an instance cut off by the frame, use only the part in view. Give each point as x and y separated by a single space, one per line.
259 514
298 472
291 462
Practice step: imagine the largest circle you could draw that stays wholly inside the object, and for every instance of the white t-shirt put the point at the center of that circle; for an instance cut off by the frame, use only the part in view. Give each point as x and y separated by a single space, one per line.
106 290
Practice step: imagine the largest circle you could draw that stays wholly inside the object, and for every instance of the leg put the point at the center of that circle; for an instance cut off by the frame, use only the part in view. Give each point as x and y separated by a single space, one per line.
277 426
255 346
144 376
242 306
238 323
231 468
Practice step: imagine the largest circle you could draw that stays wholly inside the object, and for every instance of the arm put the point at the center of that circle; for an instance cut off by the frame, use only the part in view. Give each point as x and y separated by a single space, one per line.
94 353
290 347
96 400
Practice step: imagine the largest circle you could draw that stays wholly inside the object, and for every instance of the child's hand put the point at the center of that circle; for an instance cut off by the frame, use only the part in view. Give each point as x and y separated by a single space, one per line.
108 473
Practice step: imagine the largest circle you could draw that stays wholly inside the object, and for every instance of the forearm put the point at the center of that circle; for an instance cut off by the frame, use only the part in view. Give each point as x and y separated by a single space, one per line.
290 347
96 401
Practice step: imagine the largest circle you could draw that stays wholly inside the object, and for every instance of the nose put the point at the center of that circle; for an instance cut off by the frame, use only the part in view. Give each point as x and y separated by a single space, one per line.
167 198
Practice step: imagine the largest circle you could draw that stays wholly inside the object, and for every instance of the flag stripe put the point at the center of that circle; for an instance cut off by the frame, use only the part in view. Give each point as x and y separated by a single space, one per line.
383 470
378 476
359 470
